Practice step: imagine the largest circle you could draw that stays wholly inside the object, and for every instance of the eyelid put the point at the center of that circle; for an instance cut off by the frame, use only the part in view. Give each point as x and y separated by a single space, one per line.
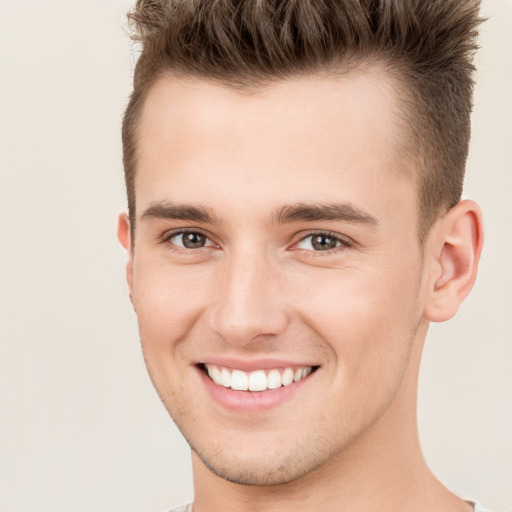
167 235
345 241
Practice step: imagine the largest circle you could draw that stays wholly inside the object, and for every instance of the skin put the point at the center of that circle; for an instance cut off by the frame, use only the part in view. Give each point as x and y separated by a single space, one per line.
347 440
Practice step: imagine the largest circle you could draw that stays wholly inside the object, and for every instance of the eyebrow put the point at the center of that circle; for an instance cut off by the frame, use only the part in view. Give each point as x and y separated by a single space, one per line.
189 212
300 212
310 212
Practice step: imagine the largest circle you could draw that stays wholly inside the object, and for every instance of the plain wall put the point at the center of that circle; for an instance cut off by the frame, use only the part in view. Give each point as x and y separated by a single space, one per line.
81 428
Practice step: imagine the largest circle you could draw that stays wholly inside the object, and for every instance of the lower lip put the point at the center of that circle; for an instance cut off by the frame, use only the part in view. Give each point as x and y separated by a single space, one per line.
252 401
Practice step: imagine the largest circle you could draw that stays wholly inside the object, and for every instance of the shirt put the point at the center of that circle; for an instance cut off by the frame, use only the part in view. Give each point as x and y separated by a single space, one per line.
188 508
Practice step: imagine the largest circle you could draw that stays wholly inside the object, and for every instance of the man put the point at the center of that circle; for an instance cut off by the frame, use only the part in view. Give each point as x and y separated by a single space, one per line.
294 173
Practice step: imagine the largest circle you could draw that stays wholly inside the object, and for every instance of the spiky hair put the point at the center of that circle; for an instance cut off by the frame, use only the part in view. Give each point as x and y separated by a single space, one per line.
426 45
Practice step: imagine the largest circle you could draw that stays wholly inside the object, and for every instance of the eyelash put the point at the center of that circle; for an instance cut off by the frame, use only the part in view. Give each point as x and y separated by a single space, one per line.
166 238
345 243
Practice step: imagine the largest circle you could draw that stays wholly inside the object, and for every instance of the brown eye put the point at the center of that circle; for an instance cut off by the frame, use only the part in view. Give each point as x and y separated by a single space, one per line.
190 240
323 242
193 240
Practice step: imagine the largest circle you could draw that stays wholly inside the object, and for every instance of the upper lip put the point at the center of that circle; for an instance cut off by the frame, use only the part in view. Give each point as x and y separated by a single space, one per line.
254 364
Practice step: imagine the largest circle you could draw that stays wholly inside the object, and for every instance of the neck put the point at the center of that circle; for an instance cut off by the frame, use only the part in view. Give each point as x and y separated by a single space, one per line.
383 470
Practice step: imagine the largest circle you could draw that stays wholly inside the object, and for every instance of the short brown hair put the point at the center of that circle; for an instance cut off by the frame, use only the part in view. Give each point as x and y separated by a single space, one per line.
427 44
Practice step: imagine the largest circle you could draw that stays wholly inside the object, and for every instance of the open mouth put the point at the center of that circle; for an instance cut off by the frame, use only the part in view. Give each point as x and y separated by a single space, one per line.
257 380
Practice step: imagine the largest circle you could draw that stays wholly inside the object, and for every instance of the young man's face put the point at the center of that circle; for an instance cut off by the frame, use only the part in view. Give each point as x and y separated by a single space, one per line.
276 235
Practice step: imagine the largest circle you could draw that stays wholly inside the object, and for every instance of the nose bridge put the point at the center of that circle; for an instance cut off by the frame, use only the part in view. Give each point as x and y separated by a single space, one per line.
248 303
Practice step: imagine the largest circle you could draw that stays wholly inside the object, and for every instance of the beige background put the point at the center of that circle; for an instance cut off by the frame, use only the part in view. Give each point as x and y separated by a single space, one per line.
81 428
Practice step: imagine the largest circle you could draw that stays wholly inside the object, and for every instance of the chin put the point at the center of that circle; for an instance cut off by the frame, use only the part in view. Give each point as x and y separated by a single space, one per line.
259 472
266 465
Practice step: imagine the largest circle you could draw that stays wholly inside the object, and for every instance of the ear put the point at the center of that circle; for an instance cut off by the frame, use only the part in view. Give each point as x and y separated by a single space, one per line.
125 238
452 253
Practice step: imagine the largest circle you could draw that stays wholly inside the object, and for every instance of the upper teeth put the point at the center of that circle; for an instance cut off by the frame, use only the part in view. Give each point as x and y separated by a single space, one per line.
258 380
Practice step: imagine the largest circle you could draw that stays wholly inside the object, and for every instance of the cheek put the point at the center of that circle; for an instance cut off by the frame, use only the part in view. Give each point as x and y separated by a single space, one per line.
168 302
363 314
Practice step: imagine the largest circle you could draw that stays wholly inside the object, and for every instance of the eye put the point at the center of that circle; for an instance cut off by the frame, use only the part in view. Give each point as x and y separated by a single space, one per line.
190 240
322 242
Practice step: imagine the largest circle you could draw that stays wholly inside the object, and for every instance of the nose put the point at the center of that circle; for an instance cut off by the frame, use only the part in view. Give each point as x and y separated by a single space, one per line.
248 303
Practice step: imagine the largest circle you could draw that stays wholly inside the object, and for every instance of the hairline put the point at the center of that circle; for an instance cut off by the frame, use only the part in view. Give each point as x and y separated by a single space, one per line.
412 156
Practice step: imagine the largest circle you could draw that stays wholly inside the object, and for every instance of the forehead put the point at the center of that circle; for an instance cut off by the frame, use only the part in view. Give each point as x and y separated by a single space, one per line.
302 139
303 106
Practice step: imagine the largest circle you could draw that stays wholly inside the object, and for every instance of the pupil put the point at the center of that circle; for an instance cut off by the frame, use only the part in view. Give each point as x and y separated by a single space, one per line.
323 243
193 240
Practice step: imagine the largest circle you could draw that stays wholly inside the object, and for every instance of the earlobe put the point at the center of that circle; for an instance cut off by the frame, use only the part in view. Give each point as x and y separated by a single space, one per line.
453 251
124 237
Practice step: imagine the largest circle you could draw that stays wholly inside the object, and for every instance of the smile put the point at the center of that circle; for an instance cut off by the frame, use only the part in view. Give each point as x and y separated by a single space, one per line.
258 380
